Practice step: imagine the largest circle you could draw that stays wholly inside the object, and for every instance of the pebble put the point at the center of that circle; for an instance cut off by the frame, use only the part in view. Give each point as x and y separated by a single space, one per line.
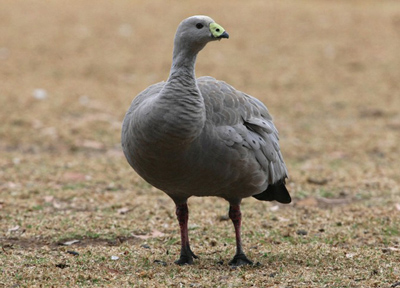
39 94
302 232
73 253
160 262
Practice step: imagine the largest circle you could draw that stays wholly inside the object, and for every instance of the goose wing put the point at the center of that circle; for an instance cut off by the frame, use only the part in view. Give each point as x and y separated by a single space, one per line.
243 122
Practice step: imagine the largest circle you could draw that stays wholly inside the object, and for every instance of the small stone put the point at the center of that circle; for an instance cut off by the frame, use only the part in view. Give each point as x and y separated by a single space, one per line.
301 232
122 210
73 253
71 242
39 94
13 229
114 258
274 208
160 262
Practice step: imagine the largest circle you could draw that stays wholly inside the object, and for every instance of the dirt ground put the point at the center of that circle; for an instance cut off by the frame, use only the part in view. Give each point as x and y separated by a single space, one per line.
73 213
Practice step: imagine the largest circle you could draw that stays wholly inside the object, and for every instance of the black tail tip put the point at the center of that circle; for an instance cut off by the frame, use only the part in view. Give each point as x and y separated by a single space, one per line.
275 192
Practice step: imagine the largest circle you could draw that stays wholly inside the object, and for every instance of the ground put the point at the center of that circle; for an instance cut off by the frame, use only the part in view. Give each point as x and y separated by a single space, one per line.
328 72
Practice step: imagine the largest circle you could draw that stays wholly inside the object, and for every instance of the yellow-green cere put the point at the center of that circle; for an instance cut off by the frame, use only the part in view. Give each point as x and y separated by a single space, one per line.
216 29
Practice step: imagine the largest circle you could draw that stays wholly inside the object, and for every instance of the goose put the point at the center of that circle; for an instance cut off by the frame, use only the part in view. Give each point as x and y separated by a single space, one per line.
202 137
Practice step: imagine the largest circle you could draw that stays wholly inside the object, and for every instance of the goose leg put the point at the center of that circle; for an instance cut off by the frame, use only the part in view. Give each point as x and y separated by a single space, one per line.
182 213
236 216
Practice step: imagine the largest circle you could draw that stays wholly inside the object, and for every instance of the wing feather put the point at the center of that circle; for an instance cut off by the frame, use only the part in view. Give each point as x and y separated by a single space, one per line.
243 122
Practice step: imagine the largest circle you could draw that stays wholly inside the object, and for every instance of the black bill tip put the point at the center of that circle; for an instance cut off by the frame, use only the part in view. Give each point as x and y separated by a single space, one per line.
223 35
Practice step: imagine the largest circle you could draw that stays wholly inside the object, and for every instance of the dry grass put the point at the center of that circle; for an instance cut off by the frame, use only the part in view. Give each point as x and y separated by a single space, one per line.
329 73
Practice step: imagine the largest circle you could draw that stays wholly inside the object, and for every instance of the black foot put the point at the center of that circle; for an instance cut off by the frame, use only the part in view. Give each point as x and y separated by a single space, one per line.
186 259
240 260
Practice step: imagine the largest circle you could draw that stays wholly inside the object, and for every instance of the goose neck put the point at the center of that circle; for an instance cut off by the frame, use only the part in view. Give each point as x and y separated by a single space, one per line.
183 65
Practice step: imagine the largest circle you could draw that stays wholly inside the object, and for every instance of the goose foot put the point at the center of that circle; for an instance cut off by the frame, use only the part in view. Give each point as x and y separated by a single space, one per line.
186 259
240 260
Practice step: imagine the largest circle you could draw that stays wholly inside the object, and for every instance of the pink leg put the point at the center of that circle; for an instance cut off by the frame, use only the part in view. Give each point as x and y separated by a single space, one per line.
182 213
236 216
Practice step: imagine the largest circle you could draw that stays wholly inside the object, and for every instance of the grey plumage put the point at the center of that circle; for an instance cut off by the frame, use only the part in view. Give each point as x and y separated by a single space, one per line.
202 137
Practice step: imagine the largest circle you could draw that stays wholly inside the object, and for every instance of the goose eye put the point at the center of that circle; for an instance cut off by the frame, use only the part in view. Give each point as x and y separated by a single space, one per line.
199 25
